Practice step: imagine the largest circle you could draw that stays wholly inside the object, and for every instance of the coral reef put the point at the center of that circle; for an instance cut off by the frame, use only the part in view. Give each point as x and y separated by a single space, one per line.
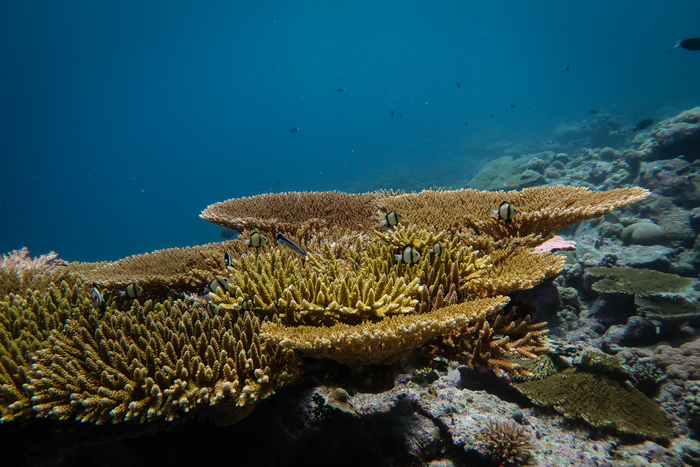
634 281
674 136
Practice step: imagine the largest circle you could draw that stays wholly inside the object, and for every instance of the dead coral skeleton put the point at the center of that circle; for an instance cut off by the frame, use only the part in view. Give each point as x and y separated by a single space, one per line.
20 261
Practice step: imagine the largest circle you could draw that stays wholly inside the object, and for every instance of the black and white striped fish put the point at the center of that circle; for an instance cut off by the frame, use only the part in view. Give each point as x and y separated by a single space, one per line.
132 291
408 255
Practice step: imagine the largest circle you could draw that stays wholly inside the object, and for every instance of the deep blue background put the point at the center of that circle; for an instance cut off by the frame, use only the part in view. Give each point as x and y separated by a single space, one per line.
120 123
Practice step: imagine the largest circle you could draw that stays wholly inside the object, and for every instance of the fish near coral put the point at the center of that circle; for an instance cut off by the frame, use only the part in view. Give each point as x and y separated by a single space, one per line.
96 297
505 212
219 282
408 255
132 290
391 219
256 240
437 249
290 244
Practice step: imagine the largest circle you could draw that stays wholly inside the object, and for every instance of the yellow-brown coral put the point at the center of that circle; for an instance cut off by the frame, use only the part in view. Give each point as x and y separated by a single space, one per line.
157 362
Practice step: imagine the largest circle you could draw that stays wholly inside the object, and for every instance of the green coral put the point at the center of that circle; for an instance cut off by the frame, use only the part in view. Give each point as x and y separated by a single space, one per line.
637 281
597 392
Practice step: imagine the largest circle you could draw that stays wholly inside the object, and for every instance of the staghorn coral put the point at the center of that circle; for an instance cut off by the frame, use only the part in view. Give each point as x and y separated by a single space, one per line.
18 261
157 362
596 392
495 342
318 292
296 213
382 342
505 442
540 210
187 269
26 320
635 281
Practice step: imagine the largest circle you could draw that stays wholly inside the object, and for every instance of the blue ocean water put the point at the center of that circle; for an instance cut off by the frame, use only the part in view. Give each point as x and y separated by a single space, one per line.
121 121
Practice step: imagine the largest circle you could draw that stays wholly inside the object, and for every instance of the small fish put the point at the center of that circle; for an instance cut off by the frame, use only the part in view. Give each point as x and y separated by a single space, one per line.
212 309
593 111
678 44
437 249
256 239
512 106
341 89
228 259
247 305
691 44
408 255
294 130
646 123
493 114
621 131
426 104
458 85
567 67
227 233
133 290
391 219
217 282
400 115
293 245
96 297
466 123
506 212
392 112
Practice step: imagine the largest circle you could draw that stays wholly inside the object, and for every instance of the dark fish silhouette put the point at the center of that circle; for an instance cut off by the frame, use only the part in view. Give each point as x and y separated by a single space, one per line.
400 115
341 89
512 106
459 85
593 111
392 112
493 114
691 44
466 123
293 130
567 67
646 123
426 104
227 233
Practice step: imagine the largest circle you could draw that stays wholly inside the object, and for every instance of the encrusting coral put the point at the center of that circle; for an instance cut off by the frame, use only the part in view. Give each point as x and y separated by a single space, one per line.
596 391
157 362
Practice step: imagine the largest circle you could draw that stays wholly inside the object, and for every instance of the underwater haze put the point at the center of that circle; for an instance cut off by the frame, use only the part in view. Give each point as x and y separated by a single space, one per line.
122 121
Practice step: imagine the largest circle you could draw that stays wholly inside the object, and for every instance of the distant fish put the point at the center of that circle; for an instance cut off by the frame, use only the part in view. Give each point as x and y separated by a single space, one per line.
219 282
678 44
408 255
391 219
293 130
426 104
466 123
691 44
567 67
341 89
505 212
133 290
458 85
256 240
493 114
227 233
400 115
247 305
646 123
593 111
228 259
96 297
512 106
392 112
292 245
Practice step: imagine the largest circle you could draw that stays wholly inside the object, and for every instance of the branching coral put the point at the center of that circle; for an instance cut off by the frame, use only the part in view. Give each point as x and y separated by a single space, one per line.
187 269
296 213
26 321
157 362
382 342
495 341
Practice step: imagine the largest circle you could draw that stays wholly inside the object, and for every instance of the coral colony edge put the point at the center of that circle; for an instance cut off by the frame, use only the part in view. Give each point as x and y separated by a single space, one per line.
441 327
